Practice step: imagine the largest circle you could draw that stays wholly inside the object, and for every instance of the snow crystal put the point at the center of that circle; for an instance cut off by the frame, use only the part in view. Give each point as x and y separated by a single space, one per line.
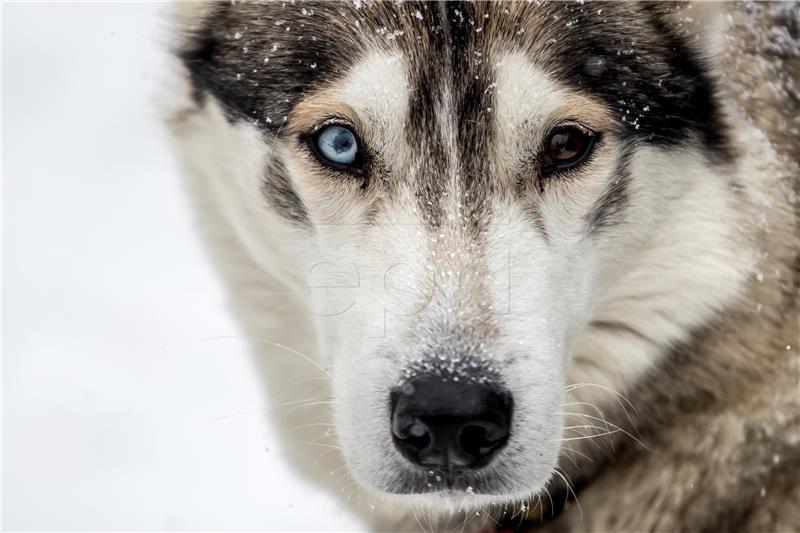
595 66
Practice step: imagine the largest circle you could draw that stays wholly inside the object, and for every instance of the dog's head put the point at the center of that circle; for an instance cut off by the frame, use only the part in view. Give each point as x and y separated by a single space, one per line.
482 204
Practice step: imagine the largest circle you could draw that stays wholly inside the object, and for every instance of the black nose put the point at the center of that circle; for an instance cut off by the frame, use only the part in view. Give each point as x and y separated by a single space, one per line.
439 422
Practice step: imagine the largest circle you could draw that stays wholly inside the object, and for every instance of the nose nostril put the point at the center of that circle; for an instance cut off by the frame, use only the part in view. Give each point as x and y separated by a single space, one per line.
413 438
410 430
417 430
481 440
417 436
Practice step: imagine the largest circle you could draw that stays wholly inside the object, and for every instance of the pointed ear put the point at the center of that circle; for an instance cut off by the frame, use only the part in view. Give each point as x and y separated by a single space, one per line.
184 20
702 14
700 23
187 15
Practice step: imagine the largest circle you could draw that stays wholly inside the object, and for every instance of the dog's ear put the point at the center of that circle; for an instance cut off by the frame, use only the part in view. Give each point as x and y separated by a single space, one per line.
701 24
188 14
697 15
186 19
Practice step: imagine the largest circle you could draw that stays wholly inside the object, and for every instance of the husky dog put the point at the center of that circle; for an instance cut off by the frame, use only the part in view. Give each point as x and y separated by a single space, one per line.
510 265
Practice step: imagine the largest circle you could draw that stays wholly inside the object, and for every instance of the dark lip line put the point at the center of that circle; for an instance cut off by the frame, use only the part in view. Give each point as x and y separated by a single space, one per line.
453 482
448 491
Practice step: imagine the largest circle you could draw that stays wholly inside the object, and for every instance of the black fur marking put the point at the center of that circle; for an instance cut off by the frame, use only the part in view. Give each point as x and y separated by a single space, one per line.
473 102
280 194
644 70
535 218
260 59
455 59
608 209
428 74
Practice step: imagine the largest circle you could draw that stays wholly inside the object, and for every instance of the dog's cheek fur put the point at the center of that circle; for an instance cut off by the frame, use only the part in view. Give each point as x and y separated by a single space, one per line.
683 242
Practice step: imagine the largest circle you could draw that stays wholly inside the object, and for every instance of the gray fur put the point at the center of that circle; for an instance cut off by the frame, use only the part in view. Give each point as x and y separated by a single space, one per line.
706 439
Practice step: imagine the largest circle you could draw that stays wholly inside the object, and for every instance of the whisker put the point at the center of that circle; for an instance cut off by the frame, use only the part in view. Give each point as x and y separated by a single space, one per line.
550 497
303 401
574 386
490 517
593 442
570 488
326 452
335 470
288 349
586 426
617 396
597 410
315 442
573 450
563 453
299 383
567 439
587 404
414 514
321 445
638 441
464 522
310 404
315 424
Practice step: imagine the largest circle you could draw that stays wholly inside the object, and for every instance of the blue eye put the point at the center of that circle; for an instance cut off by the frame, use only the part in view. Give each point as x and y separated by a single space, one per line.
337 144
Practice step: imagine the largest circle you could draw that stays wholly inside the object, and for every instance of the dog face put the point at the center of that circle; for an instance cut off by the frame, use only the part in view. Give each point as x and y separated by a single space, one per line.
482 204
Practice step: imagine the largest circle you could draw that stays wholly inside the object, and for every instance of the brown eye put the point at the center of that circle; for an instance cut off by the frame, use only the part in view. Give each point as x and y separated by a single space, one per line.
566 147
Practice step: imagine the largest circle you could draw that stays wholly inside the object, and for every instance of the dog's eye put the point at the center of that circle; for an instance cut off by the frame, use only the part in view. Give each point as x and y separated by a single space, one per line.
337 145
566 147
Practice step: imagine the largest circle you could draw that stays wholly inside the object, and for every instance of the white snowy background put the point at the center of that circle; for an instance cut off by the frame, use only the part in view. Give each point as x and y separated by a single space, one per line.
114 407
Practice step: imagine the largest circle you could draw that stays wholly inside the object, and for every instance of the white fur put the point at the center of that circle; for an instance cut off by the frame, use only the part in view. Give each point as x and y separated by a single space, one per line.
368 299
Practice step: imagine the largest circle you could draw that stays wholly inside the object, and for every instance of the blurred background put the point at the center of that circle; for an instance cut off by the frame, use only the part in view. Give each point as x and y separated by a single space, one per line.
119 411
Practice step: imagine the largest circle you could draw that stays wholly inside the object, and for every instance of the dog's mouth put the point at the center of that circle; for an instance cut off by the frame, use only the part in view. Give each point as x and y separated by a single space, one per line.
453 485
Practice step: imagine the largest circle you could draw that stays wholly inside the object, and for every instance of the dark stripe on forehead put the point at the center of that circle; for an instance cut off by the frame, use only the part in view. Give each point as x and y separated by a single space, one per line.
471 26
451 73
428 73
